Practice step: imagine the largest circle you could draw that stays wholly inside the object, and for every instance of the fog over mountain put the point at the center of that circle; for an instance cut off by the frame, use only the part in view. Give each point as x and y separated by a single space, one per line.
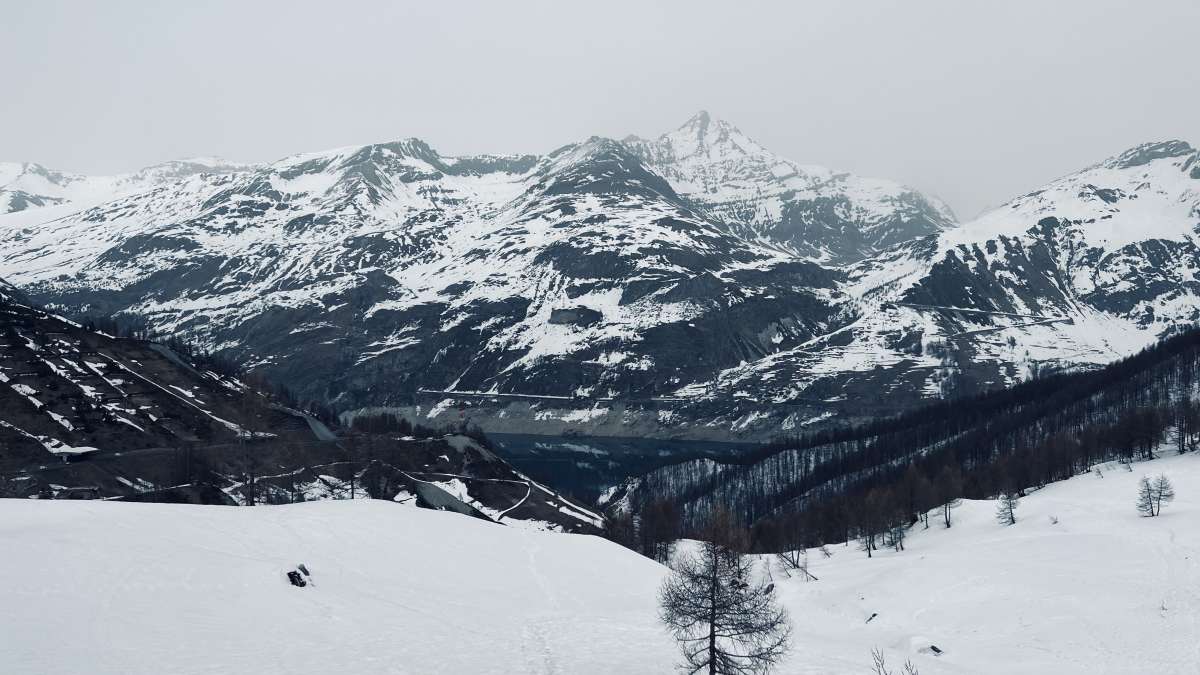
970 102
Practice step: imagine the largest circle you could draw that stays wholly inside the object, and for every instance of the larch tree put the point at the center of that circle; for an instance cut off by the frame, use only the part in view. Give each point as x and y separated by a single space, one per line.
1164 492
871 515
725 620
881 667
1186 425
949 488
791 540
657 529
1006 508
250 467
924 496
1145 498
1153 494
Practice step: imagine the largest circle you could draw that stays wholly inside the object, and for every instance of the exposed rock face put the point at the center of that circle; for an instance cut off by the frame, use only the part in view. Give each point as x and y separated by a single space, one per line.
757 294
575 316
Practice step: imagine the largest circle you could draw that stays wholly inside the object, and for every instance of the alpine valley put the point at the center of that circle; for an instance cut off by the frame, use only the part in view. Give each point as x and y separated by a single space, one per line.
694 285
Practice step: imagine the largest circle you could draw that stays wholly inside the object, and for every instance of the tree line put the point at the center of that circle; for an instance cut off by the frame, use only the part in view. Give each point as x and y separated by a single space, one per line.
870 482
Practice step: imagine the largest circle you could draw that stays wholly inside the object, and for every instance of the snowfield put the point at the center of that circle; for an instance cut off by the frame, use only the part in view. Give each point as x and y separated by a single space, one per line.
143 588
1102 591
151 588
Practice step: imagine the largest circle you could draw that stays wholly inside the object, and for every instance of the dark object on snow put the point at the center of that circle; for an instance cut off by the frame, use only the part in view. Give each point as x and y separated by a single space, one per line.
871 617
769 589
935 650
303 570
296 579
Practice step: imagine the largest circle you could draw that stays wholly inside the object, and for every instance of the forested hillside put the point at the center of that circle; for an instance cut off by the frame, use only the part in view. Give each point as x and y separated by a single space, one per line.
875 479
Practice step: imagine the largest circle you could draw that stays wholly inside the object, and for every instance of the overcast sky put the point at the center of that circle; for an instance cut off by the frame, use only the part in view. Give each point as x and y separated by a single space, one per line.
973 101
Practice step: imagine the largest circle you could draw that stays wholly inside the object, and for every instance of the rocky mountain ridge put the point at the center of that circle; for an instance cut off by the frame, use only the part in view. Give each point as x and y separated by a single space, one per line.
693 284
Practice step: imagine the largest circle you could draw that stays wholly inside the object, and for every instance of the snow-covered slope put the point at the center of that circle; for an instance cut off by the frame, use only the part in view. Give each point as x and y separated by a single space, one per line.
399 590
67 389
1091 268
582 272
1100 591
395 590
86 413
741 291
832 216
31 186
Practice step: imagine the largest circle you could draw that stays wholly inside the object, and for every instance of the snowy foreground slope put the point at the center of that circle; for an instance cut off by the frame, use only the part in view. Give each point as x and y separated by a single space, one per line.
142 588
1101 591
151 588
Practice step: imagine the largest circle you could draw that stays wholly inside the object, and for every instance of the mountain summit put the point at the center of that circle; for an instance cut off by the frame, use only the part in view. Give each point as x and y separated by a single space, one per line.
695 267
817 213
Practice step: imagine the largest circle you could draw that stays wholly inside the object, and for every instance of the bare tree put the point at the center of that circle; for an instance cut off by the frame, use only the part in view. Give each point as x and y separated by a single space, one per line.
1145 500
918 494
1186 425
792 540
880 665
872 513
8 486
795 560
349 448
1006 508
657 529
1164 492
250 465
897 517
1153 494
295 484
949 489
725 621
618 527
792 559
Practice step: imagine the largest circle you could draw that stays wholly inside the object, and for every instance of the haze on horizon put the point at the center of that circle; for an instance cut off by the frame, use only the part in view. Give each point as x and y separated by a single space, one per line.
974 102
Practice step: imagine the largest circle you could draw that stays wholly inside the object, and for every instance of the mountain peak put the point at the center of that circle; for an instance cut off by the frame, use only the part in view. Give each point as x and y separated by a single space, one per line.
700 120
702 125
1148 152
702 135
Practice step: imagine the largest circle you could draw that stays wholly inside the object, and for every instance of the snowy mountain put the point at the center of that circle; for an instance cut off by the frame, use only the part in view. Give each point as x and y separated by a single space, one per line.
83 413
28 186
600 278
819 214
1093 267
66 389
693 284
1079 585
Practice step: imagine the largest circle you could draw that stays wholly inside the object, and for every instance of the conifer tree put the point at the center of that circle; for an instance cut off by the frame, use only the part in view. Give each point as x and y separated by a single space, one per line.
1153 494
1006 508
725 621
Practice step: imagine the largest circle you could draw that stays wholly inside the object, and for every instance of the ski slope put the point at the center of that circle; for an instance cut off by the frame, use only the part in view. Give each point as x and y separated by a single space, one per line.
104 587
